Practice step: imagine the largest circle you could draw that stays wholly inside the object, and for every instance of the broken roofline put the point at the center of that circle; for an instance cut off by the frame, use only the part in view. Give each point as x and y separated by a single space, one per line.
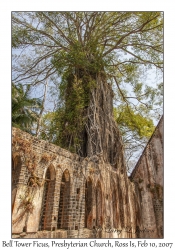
137 164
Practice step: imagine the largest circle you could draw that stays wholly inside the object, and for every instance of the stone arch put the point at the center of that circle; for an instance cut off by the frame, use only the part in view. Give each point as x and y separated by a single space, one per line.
63 212
48 199
98 200
16 170
88 203
52 172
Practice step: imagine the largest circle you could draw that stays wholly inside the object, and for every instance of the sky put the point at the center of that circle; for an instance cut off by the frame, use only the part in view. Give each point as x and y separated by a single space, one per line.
169 94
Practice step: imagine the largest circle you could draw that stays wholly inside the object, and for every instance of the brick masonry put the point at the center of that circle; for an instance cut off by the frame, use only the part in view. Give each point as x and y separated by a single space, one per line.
148 179
57 194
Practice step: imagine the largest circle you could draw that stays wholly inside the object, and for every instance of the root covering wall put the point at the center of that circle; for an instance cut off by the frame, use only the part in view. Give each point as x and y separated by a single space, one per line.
57 194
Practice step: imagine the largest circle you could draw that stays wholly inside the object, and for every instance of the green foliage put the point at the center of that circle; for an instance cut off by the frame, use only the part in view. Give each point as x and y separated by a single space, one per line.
127 118
65 126
78 78
24 108
78 57
21 36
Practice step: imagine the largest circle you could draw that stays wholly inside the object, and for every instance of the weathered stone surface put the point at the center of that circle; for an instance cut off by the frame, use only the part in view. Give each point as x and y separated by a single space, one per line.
56 194
148 179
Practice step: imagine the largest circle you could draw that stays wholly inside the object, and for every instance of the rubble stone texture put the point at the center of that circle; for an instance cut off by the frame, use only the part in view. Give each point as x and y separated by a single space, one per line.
57 194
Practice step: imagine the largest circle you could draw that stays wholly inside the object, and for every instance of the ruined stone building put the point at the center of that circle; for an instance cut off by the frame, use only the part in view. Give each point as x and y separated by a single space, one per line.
58 194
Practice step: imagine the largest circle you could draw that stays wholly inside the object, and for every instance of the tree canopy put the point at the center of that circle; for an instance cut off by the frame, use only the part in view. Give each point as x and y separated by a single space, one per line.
72 49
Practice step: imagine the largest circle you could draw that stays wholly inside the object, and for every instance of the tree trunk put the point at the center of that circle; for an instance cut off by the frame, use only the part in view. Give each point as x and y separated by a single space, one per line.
101 135
93 124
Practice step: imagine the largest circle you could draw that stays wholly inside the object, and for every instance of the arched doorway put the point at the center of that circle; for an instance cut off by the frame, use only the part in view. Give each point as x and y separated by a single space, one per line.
88 203
63 212
47 201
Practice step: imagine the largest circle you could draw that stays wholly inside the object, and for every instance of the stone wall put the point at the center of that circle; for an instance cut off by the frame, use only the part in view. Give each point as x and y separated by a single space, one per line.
57 194
148 179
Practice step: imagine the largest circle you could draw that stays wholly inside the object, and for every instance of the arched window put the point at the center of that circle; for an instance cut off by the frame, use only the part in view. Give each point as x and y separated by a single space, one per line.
16 170
88 204
48 199
63 212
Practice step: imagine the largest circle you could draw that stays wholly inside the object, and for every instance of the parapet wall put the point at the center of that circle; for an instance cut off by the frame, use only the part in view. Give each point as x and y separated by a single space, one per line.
78 198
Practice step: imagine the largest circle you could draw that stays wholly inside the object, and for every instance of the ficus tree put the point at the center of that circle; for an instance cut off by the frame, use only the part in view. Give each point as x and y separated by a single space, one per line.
96 60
